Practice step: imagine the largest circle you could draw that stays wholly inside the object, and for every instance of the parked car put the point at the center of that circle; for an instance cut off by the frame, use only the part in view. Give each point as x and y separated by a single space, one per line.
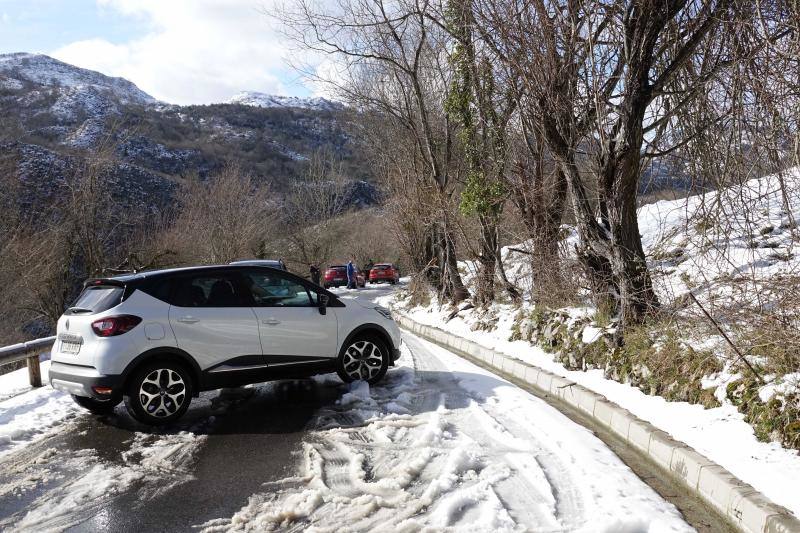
156 339
384 273
336 276
274 263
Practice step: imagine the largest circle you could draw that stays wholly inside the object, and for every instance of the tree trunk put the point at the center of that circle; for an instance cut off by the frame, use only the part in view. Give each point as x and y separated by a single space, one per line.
637 299
487 261
595 248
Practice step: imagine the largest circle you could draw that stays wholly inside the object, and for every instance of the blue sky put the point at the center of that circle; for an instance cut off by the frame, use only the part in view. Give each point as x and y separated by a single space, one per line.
46 25
180 51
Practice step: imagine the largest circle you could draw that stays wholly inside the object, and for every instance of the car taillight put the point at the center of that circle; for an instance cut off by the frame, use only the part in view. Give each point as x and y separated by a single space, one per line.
115 325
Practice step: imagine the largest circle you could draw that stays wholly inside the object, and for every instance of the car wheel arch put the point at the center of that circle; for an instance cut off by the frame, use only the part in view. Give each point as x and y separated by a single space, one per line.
161 354
374 329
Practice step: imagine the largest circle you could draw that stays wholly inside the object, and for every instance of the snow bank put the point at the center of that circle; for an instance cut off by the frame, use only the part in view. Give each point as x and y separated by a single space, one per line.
28 414
719 433
727 261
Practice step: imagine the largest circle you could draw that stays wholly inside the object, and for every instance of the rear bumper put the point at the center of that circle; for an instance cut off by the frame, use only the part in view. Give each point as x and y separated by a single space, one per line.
395 355
80 380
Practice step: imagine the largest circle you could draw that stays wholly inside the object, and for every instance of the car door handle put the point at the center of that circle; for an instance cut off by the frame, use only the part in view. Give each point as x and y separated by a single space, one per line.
271 321
188 319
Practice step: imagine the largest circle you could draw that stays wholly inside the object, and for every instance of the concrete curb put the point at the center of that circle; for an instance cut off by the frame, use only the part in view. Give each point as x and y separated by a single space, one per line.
744 506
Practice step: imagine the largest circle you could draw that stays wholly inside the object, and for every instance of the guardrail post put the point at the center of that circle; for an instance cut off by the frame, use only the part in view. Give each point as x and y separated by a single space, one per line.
34 372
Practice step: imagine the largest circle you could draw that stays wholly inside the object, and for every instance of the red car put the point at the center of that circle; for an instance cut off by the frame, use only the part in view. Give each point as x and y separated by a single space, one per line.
336 276
384 272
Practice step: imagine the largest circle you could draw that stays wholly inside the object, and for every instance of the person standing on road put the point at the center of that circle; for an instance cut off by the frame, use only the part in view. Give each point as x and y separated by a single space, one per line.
313 270
367 269
352 279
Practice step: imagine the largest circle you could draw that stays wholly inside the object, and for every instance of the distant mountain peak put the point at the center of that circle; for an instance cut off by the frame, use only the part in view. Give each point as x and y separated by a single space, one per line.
44 70
257 99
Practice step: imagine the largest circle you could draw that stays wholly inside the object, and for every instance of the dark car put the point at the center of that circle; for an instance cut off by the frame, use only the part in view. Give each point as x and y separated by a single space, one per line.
384 273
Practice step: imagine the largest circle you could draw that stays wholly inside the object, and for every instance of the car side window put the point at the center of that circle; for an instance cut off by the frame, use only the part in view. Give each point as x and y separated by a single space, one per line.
207 290
270 289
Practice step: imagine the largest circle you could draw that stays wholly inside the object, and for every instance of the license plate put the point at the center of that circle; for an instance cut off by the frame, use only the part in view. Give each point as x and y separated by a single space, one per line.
70 347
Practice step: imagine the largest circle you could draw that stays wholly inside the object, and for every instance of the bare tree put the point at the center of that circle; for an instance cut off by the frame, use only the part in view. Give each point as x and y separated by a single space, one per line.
393 60
312 204
482 104
610 80
225 218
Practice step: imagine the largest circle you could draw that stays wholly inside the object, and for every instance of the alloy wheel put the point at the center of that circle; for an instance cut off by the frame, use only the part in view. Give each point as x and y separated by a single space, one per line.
162 392
362 360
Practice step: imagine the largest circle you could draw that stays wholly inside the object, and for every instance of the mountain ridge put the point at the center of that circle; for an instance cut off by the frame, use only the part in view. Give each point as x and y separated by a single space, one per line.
54 115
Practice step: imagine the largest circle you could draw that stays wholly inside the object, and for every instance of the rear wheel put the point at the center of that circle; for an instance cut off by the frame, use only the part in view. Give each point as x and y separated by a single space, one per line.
364 358
98 407
159 393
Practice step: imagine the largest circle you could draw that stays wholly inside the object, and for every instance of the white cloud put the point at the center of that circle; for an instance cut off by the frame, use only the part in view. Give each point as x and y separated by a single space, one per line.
196 51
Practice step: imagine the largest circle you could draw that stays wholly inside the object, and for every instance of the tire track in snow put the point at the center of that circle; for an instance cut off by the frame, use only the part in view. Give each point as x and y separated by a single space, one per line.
541 490
408 454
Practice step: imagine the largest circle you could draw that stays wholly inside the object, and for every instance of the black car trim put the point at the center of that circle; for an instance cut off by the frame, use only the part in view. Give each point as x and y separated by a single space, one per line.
133 282
247 376
241 360
115 381
161 352
252 362
230 368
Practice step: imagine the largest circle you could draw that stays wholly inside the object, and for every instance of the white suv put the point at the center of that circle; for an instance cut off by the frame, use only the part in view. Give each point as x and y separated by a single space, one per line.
158 338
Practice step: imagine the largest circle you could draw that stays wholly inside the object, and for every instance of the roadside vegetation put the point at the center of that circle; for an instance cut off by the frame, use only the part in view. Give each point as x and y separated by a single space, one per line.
86 231
519 143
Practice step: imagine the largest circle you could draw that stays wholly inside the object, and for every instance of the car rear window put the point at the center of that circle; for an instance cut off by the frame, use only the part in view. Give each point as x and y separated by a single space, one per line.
96 299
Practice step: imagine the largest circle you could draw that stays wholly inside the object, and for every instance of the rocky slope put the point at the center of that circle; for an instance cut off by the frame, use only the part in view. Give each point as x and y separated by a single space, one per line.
54 114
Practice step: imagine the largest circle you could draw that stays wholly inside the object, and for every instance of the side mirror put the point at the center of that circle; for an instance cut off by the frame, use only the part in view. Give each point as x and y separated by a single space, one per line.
323 300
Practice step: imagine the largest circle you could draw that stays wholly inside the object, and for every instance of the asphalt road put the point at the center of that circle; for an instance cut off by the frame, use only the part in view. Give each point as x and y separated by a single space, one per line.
240 439
290 454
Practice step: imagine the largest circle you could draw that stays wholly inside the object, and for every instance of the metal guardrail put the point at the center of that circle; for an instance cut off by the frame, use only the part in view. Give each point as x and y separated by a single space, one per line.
28 350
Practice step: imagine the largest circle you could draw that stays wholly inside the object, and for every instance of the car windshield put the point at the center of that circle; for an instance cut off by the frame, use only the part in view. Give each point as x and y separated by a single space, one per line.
96 299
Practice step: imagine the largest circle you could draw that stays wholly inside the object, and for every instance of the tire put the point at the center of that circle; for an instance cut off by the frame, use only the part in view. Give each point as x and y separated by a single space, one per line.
359 360
97 407
159 393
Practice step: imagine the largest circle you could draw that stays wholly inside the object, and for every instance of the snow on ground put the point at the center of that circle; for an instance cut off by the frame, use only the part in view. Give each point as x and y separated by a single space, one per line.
725 245
442 445
151 465
728 247
767 466
28 414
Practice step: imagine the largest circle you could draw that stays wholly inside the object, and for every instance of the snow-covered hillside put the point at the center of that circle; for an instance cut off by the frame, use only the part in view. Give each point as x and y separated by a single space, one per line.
724 244
18 68
258 99
734 249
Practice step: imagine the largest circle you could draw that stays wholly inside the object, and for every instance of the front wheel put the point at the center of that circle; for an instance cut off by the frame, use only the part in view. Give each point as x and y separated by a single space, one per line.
159 393
97 407
365 358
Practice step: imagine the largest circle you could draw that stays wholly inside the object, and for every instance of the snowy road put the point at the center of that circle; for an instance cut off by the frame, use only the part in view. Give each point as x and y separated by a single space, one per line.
439 444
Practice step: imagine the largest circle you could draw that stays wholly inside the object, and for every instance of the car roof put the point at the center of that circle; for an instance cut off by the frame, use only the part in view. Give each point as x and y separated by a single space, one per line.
147 274
257 262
